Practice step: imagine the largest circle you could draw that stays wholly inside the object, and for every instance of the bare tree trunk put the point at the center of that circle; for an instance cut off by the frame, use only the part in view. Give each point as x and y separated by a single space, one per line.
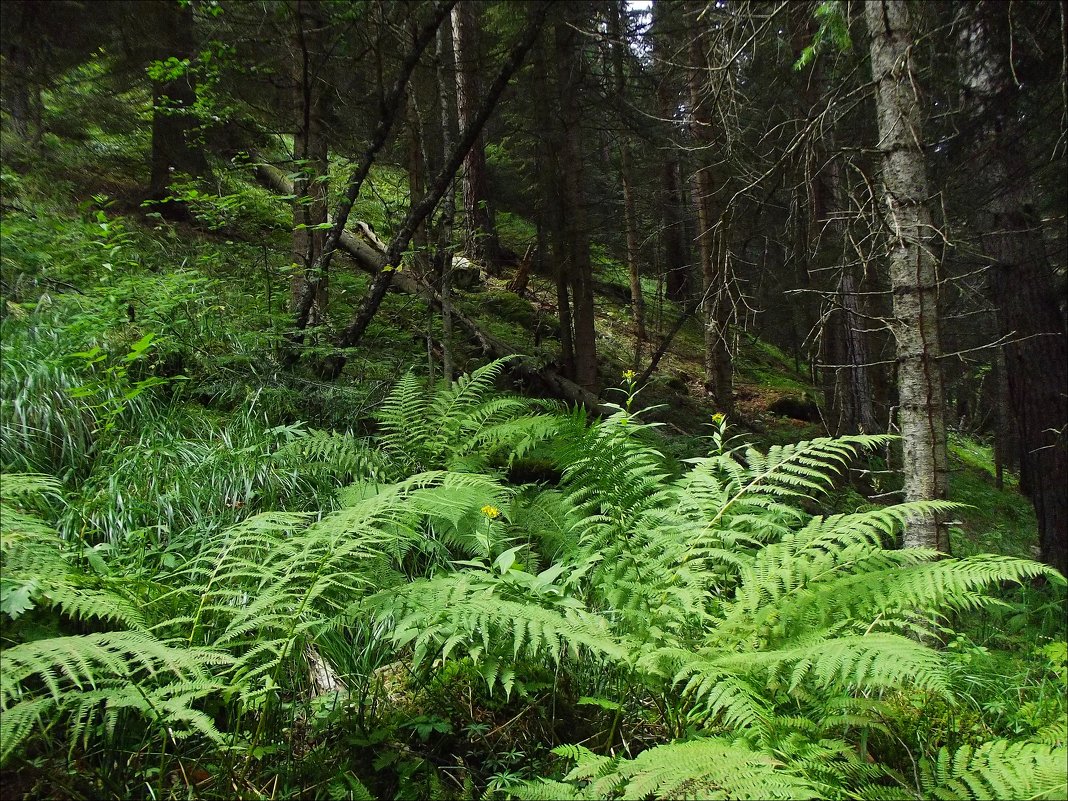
630 213
446 93
676 251
1006 441
547 153
417 169
576 233
718 368
850 395
481 235
20 89
913 267
1025 294
310 154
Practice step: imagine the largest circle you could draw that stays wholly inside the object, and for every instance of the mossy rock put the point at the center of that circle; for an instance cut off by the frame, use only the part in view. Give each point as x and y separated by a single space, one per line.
797 407
509 306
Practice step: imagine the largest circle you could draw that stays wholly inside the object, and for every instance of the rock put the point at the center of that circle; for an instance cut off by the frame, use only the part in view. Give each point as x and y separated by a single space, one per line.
465 274
797 407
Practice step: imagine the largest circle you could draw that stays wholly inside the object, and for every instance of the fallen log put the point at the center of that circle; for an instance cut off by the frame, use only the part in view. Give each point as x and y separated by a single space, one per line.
371 258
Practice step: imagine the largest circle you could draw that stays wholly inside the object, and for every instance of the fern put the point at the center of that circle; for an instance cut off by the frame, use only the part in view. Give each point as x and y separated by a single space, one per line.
39 567
462 426
998 769
473 614
343 457
119 666
706 767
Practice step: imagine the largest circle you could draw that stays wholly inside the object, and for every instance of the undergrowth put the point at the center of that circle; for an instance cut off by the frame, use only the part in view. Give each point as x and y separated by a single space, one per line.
704 631
224 579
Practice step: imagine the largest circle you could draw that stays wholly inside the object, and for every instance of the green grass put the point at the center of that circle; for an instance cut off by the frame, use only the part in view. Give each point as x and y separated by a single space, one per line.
997 520
515 232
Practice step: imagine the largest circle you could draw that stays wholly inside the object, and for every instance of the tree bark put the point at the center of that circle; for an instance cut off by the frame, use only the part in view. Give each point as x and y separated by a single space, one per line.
676 266
575 228
718 368
913 267
630 216
20 86
849 390
630 213
310 153
1024 292
446 93
547 153
480 234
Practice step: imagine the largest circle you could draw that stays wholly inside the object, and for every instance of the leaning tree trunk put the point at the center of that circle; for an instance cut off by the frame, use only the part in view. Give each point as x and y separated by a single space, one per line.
372 257
174 150
913 267
1024 292
310 155
391 108
481 236
354 331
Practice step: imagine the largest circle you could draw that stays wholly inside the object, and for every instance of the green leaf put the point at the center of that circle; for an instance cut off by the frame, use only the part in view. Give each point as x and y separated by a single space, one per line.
17 599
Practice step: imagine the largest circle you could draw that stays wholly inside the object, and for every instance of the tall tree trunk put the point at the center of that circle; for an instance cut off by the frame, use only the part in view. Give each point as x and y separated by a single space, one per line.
846 358
913 267
480 234
443 258
718 368
21 88
576 230
547 153
850 395
417 169
1006 439
1024 292
173 147
630 216
676 266
630 213
310 154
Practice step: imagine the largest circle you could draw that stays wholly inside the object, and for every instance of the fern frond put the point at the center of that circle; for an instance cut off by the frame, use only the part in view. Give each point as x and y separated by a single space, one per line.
119 666
340 455
855 663
466 612
998 769
700 768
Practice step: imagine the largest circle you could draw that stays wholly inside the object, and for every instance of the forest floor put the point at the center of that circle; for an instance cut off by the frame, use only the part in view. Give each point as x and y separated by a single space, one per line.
215 288
72 188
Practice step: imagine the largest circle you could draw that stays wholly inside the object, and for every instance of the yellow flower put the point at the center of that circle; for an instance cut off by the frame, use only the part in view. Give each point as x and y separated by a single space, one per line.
718 418
492 512
629 375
